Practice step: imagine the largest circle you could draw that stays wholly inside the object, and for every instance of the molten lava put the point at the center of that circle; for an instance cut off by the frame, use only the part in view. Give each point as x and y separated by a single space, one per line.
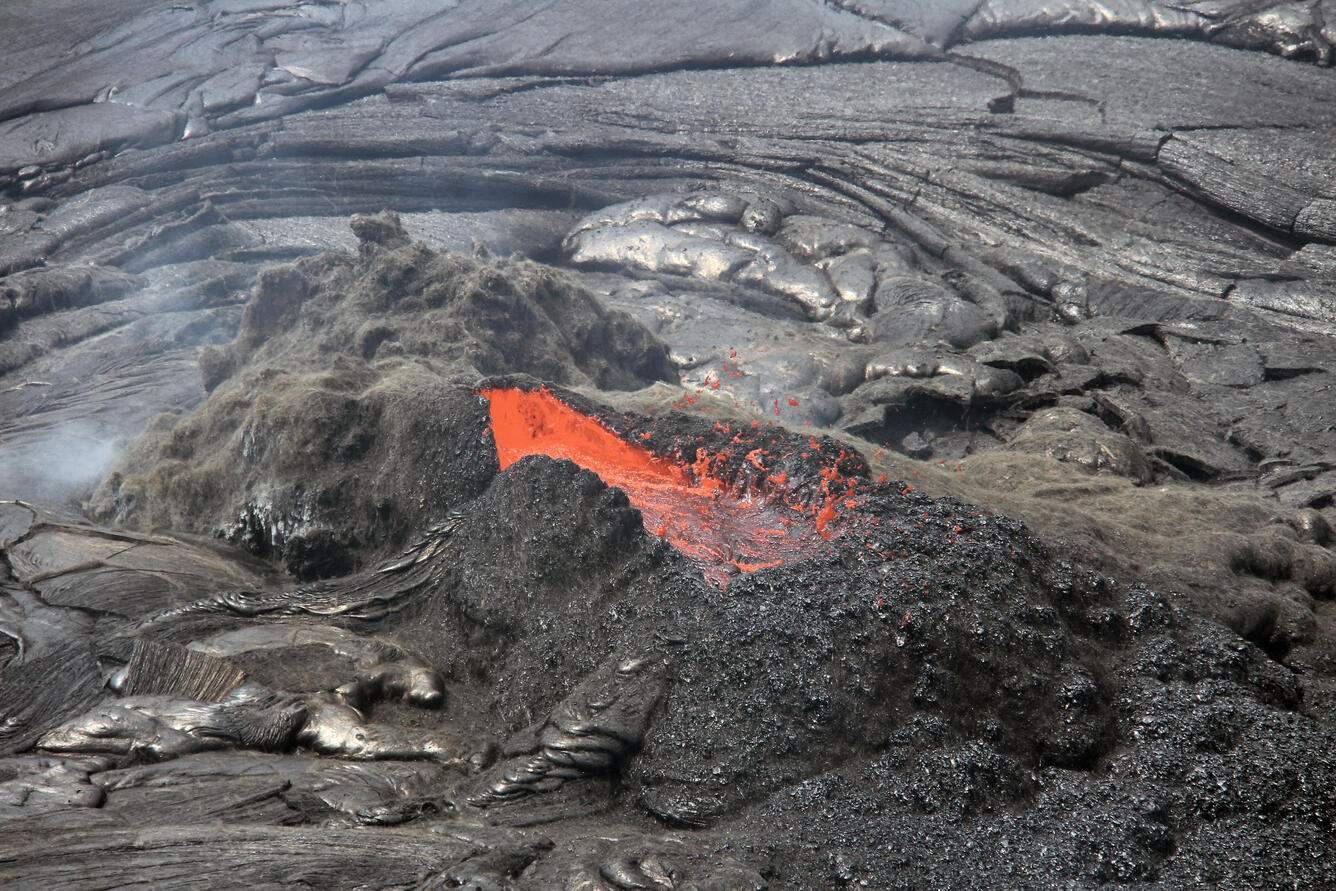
697 513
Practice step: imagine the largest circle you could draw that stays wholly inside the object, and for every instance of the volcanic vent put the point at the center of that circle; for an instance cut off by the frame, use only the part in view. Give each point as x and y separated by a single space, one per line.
726 527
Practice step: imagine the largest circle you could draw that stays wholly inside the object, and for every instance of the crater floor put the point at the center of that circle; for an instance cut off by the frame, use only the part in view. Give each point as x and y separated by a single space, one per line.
680 446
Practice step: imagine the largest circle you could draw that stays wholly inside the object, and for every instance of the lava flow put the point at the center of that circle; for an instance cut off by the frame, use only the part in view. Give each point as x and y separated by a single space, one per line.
694 511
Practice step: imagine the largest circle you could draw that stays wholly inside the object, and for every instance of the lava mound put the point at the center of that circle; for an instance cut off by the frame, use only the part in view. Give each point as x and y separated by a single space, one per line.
341 420
930 664
716 624
925 662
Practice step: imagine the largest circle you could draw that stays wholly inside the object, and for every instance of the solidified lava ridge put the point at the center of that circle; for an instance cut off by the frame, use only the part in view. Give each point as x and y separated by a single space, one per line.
725 528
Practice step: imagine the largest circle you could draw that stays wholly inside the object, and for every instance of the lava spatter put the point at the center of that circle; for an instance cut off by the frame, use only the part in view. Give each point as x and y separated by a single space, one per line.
725 530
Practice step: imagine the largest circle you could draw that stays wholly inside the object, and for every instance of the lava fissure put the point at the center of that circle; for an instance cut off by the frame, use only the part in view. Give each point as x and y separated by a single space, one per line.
725 528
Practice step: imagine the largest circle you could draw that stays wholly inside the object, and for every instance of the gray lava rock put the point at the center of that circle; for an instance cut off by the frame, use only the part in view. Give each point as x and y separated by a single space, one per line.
911 310
1076 437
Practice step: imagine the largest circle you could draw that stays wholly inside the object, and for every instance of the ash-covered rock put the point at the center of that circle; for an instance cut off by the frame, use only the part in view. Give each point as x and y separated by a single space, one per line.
341 421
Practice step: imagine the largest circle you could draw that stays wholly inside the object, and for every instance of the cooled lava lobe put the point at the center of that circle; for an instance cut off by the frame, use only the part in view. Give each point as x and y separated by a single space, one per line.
613 506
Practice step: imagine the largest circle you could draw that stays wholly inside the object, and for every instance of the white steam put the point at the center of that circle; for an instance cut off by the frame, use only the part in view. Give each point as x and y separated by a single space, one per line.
54 463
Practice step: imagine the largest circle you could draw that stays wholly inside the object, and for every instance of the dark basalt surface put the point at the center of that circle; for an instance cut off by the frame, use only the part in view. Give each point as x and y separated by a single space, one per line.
1049 283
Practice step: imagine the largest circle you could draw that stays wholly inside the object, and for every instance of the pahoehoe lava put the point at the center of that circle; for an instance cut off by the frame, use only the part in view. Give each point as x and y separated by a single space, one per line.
683 446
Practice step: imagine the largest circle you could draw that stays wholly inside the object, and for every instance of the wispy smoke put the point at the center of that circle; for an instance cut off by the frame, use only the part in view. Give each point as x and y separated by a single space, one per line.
54 464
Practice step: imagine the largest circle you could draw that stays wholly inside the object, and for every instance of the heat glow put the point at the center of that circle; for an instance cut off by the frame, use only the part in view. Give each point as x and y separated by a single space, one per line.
723 530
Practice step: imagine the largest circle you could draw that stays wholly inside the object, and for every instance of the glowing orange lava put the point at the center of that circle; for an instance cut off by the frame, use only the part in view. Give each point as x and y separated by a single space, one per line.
696 512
